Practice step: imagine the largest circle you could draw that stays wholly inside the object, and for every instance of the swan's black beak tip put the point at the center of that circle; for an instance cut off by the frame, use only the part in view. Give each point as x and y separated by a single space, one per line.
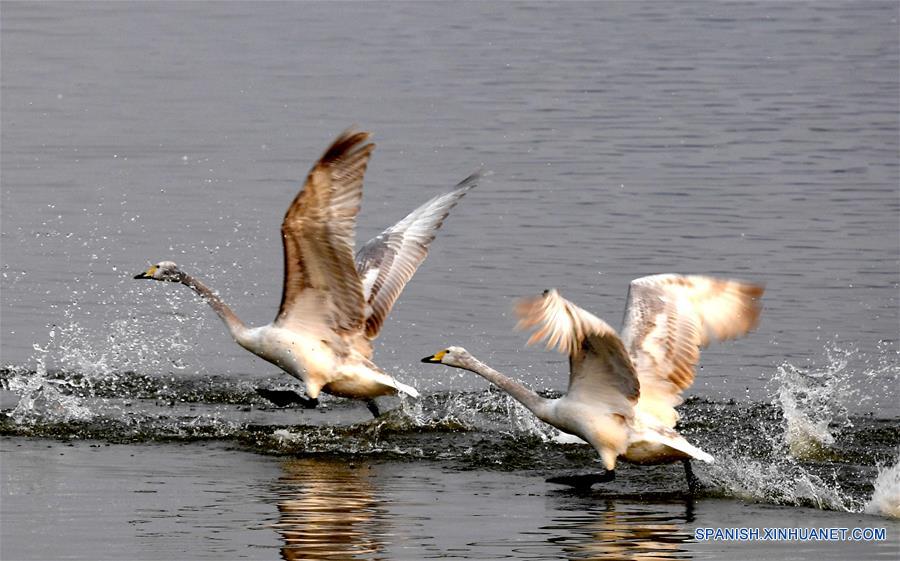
428 359
142 276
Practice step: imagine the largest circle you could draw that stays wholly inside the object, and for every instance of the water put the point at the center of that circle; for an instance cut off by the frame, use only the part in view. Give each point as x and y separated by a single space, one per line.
754 140
160 502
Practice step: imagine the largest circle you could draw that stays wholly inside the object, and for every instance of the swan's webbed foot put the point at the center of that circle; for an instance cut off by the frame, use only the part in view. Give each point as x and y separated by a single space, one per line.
373 408
283 398
692 481
583 482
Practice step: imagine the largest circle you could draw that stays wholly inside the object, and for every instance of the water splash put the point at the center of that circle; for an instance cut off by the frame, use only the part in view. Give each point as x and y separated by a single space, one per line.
486 429
778 481
42 399
127 342
77 361
802 449
813 402
885 499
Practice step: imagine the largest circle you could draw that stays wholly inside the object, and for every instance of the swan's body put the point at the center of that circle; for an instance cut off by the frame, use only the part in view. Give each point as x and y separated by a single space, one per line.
333 305
340 368
623 391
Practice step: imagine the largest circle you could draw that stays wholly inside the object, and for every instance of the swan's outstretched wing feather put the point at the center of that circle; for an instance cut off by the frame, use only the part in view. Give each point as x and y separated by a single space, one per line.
387 262
600 369
318 231
668 319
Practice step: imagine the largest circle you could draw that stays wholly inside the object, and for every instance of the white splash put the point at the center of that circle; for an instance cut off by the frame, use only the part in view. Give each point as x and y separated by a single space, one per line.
885 499
45 399
779 481
75 357
811 401
775 462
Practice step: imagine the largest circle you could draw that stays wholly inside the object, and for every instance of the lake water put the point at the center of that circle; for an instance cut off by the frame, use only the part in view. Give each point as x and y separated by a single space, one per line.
758 141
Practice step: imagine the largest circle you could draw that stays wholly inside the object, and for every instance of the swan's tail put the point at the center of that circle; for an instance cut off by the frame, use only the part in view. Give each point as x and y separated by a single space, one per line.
672 439
371 372
408 390
688 448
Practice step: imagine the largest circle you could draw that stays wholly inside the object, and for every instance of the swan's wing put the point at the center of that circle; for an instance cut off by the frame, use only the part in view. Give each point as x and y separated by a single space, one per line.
600 369
317 231
387 262
669 318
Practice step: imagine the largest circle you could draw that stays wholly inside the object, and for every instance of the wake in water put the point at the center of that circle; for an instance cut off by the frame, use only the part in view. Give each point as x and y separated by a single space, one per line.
803 447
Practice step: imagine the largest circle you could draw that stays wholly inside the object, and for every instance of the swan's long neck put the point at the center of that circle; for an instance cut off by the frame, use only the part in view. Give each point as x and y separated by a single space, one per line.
536 404
234 324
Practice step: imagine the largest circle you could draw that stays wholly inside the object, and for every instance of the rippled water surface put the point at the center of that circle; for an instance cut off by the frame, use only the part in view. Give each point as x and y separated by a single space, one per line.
751 140
159 502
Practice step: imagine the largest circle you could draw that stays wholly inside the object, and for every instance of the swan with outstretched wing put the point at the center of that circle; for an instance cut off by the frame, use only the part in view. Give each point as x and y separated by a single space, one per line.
333 305
623 390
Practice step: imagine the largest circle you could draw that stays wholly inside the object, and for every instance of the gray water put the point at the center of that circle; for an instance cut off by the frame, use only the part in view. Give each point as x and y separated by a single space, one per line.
758 141
321 508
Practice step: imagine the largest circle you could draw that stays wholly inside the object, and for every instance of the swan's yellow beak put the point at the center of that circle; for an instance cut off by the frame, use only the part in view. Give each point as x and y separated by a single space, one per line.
435 358
148 274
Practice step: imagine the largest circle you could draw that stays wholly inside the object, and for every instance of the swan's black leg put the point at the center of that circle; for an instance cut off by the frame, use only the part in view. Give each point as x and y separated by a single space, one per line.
692 481
308 402
283 398
584 482
373 408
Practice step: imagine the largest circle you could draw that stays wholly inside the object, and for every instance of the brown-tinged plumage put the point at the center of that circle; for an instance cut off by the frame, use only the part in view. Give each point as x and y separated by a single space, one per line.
318 232
669 318
622 391
332 305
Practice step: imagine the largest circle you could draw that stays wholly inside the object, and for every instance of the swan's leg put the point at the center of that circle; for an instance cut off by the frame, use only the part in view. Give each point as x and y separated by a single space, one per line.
584 482
693 482
308 402
373 408
283 398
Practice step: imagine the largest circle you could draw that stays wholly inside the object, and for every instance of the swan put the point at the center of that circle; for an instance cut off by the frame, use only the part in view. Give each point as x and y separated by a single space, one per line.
333 306
623 390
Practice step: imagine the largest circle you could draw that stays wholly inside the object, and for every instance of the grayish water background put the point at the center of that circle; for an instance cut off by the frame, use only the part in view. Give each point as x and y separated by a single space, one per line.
319 508
752 140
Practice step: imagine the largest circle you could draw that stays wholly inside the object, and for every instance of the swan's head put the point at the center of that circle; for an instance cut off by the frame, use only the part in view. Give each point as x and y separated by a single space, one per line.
451 356
162 271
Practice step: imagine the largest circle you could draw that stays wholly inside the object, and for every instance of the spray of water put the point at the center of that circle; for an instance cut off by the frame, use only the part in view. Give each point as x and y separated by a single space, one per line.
44 399
793 455
885 499
74 359
813 402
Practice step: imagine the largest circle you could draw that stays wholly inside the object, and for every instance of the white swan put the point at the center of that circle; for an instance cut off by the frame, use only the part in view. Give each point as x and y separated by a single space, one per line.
332 306
623 391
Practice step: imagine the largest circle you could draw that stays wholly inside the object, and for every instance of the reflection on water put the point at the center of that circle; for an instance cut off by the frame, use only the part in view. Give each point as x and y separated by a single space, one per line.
625 530
328 510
